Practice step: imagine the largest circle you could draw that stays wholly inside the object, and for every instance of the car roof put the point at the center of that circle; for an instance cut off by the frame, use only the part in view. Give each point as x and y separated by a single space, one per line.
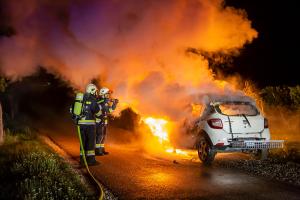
215 99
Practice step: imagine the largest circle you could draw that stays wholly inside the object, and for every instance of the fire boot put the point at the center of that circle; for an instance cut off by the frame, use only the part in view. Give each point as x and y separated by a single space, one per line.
91 160
99 152
104 152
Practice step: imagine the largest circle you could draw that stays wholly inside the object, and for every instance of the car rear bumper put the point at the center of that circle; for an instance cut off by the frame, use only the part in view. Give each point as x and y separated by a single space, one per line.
251 145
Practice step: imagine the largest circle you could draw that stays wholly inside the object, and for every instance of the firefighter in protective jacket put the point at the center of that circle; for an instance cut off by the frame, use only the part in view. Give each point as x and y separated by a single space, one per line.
106 105
84 111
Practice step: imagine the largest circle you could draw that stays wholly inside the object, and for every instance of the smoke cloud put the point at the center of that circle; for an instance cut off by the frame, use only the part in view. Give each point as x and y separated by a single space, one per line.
137 48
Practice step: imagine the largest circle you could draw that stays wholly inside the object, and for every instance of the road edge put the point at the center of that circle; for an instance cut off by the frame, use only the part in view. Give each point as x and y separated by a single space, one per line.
84 176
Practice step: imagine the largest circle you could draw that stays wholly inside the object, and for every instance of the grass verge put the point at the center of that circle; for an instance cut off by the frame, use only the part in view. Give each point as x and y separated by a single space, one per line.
30 170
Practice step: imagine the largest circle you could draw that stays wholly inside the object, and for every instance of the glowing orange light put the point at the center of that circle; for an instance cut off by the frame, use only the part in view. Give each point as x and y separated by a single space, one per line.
196 109
158 128
177 151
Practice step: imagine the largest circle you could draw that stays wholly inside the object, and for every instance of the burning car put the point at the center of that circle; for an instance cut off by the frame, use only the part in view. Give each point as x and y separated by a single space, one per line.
228 125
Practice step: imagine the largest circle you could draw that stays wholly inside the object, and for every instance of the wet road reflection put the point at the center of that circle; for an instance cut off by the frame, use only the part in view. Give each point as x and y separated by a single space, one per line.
134 174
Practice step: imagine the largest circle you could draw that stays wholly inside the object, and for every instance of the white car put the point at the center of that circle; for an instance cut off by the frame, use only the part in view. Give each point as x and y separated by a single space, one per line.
232 125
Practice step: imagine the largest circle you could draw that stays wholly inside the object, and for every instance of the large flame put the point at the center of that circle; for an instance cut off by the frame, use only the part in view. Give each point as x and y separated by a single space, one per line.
160 129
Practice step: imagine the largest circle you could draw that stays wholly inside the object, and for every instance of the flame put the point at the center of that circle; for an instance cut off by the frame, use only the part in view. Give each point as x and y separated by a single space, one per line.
177 151
196 109
158 128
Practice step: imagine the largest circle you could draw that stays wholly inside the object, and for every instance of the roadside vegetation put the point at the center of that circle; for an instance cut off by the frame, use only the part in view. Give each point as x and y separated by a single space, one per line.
282 96
282 108
30 170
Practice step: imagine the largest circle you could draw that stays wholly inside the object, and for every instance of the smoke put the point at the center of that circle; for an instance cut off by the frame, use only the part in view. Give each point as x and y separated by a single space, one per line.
137 48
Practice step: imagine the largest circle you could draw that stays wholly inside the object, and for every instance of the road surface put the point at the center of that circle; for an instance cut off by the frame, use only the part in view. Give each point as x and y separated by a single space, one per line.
132 173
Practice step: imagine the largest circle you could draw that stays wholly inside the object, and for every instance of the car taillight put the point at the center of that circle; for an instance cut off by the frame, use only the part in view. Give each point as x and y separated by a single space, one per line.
215 123
266 123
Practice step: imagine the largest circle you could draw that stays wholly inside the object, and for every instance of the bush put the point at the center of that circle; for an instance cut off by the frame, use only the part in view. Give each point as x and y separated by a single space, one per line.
295 95
281 96
31 171
127 120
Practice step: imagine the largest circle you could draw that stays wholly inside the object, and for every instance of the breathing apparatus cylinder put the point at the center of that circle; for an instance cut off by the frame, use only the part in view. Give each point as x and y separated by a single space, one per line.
78 104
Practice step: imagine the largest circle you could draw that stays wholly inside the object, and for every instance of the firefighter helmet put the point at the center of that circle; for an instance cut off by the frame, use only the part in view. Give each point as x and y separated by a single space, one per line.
104 91
91 89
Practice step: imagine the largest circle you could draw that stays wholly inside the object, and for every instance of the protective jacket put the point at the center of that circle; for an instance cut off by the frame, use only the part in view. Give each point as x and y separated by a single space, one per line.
106 106
89 110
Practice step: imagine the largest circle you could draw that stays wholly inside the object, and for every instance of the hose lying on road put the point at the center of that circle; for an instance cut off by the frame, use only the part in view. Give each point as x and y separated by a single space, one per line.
87 167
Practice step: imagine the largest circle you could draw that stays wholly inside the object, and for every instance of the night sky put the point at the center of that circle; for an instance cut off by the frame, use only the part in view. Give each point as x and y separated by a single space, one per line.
272 58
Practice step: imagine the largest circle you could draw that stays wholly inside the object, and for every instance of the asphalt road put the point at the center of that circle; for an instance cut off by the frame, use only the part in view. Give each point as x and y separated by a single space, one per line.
131 173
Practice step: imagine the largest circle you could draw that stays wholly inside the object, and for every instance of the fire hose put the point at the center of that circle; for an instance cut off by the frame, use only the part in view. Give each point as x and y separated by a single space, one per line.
87 167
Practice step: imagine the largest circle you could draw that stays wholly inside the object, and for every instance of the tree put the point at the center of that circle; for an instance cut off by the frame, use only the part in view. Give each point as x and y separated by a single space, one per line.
282 96
3 85
127 120
277 96
295 95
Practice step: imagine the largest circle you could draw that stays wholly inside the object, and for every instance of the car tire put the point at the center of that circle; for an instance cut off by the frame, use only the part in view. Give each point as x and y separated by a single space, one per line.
261 154
205 151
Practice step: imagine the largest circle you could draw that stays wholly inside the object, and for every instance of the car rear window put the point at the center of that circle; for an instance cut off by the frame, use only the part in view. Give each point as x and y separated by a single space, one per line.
237 108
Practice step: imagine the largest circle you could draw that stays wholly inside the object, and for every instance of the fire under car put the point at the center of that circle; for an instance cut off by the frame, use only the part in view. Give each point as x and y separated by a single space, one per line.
232 126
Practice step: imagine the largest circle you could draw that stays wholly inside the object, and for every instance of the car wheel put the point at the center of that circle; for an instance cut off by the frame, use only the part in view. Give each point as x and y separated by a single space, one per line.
205 152
261 154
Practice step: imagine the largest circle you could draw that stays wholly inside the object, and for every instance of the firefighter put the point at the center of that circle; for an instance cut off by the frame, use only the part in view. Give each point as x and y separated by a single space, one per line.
106 105
84 111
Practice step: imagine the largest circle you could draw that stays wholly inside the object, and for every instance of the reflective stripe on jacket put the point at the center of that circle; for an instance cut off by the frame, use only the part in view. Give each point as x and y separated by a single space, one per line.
86 122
